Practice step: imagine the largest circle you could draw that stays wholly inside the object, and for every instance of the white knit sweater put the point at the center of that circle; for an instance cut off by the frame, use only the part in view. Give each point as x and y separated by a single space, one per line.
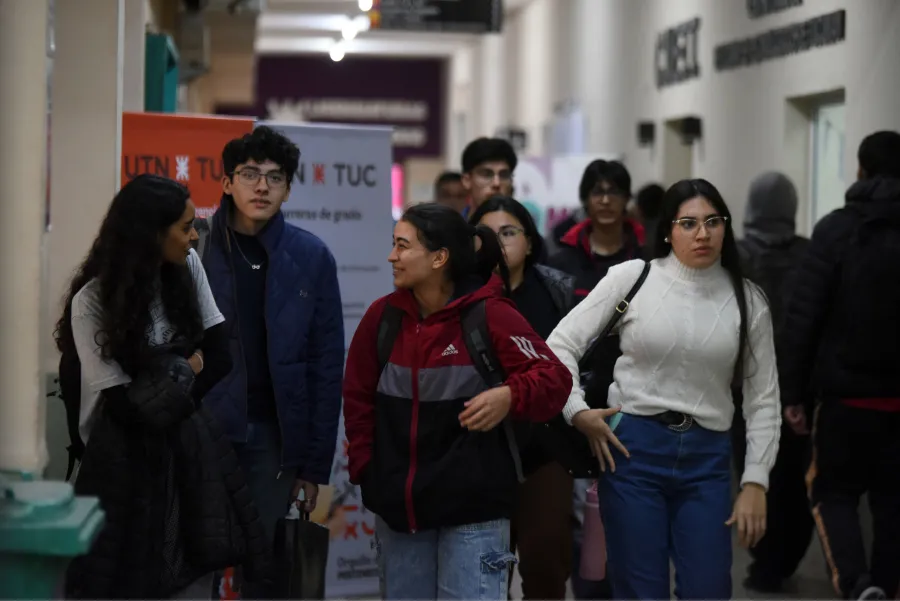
679 341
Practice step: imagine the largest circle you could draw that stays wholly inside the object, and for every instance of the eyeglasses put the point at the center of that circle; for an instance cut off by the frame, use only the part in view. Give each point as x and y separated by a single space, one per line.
691 224
508 233
609 195
274 179
488 175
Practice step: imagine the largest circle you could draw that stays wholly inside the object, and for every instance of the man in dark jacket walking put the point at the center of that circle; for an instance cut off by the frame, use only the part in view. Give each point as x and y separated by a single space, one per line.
770 253
277 286
842 338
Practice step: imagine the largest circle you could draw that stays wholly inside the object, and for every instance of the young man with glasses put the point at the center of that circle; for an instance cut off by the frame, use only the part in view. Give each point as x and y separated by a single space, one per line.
277 286
488 165
607 236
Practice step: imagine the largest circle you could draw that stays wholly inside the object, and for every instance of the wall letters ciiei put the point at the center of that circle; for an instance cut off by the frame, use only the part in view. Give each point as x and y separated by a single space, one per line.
342 194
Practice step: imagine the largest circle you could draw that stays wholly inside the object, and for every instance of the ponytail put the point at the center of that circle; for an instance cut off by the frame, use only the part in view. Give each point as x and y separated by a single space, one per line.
490 257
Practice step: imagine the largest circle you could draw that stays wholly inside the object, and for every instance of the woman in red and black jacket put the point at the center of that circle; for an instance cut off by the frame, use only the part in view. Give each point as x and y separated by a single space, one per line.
424 441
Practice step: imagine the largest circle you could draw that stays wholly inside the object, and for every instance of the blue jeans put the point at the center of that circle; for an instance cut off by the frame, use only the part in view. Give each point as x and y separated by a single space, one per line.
669 501
260 459
465 562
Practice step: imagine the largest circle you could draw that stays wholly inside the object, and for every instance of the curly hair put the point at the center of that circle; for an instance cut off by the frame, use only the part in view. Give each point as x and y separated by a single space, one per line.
126 262
260 145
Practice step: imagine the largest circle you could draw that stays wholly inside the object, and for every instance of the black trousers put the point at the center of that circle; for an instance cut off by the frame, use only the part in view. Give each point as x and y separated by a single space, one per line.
789 522
857 451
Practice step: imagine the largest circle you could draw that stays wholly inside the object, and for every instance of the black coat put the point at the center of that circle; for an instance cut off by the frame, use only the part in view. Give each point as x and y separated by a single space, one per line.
176 504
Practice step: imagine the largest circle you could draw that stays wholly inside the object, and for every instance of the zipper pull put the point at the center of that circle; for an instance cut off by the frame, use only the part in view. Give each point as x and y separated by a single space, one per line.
278 477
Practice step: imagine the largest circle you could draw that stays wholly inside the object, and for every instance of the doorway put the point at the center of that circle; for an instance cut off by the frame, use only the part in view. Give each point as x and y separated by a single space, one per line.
678 155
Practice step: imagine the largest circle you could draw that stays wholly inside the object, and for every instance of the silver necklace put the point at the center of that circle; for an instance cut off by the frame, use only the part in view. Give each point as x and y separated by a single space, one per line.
240 250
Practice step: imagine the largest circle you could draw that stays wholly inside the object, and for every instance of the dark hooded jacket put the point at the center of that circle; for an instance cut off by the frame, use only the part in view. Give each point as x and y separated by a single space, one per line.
771 249
576 257
840 336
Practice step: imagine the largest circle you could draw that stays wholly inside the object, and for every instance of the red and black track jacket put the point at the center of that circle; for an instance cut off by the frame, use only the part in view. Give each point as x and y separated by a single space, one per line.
418 467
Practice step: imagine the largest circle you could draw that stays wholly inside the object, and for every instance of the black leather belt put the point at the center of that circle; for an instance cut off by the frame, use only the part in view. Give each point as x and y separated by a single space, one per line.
679 422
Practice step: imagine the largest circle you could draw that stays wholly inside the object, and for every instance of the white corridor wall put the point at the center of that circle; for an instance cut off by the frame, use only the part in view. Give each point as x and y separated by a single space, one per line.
601 53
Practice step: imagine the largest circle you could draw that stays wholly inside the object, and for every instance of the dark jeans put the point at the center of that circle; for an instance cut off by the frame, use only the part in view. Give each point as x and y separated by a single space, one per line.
541 531
857 451
789 522
260 459
668 502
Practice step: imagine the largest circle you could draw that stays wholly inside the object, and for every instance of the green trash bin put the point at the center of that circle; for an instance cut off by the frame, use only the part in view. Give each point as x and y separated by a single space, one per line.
43 525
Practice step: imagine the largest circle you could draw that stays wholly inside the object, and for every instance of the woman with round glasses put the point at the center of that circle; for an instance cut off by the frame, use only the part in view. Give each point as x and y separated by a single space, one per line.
694 328
541 527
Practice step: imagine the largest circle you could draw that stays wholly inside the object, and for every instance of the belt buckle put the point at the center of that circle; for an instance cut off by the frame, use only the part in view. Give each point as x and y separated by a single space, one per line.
685 425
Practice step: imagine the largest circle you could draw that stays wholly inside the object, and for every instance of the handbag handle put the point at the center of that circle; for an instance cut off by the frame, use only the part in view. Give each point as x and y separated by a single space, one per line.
584 363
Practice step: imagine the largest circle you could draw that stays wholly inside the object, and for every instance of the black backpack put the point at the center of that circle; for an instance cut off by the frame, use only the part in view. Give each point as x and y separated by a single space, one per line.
478 344
868 298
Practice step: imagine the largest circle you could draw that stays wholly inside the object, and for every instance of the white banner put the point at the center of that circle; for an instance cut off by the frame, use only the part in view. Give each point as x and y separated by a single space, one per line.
342 194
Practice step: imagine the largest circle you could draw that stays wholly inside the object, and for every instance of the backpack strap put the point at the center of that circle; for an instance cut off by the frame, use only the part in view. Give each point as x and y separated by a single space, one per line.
477 339
388 328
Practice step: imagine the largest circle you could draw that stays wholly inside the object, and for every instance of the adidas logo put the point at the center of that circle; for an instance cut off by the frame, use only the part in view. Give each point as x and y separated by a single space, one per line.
450 350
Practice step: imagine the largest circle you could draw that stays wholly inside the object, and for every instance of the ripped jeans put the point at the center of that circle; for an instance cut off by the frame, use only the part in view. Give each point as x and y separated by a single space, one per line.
465 562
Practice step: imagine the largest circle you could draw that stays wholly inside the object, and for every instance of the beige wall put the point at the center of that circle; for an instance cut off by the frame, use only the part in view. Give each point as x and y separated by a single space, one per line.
232 65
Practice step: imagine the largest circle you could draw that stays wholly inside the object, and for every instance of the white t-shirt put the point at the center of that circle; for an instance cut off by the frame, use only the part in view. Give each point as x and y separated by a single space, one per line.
98 374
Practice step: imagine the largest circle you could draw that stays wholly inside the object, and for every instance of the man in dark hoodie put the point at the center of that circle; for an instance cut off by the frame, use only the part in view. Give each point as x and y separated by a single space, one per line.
770 252
607 237
842 341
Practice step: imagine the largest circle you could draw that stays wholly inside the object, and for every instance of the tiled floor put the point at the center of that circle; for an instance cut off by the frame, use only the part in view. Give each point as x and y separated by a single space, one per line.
810 581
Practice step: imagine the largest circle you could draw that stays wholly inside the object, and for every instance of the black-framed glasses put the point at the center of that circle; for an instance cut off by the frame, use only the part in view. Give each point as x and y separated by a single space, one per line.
250 177
692 224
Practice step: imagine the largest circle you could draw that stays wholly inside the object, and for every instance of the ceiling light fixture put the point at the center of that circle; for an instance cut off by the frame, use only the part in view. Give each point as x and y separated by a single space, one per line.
365 5
350 29
337 52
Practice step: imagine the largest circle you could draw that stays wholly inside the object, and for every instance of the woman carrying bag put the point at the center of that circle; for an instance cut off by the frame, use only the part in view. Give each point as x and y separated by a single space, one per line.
141 321
694 327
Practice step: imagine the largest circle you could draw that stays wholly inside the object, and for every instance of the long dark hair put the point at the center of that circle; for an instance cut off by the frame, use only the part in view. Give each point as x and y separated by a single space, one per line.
440 227
515 208
677 195
126 262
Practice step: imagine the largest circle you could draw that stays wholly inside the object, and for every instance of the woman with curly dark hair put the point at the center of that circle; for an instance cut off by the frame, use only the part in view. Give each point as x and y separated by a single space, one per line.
150 340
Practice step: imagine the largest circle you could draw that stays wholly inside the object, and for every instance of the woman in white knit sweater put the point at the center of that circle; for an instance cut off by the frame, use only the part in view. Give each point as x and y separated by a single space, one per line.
667 491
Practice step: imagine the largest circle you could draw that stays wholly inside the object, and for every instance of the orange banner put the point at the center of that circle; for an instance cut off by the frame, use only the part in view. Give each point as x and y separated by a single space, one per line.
185 148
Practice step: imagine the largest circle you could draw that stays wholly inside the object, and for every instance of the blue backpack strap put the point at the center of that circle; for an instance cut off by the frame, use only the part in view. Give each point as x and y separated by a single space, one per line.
478 344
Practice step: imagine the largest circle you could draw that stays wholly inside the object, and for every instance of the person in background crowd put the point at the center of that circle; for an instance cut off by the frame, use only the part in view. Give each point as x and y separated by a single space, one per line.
695 327
277 286
423 439
488 165
140 318
770 253
449 190
649 203
541 526
842 347
606 237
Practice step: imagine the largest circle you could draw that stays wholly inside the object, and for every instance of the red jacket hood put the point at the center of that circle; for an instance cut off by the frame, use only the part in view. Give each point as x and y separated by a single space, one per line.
578 235
466 294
